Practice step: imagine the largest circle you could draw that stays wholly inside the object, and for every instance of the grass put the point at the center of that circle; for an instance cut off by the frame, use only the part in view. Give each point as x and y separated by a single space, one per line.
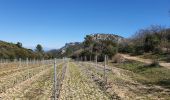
161 57
148 74
130 81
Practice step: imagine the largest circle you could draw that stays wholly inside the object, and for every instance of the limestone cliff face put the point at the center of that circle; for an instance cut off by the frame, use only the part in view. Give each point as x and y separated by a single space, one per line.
71 44
78 46
112 37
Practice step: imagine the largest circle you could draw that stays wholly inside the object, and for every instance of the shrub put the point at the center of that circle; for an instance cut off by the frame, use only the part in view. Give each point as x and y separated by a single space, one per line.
138 50
118 58
151 42
157 50
168 58
155 63
126 48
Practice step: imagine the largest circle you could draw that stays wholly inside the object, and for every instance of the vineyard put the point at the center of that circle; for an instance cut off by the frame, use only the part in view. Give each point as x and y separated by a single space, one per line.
72 80
27 80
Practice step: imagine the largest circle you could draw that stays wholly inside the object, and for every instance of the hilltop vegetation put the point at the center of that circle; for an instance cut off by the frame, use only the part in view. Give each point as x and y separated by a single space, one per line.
100 45
68 50
152 42
16 51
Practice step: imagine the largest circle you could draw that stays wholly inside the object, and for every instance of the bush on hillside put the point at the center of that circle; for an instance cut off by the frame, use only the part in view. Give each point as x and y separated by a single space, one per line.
118 58
127 48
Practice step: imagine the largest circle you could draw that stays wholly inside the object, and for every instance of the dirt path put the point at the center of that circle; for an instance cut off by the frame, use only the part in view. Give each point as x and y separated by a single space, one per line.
147 61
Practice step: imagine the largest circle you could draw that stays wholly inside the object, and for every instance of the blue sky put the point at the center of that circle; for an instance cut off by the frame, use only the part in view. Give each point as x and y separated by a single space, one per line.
53 23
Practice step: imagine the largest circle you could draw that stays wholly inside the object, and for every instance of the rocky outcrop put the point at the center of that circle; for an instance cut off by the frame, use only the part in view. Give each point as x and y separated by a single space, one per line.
112 37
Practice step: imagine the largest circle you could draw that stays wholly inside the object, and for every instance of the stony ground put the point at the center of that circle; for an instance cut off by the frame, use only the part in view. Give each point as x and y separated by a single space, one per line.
121 83
78 86
38 86
80 81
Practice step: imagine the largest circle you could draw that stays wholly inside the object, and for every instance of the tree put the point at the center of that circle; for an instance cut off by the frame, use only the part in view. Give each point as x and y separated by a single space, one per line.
151 42
40 51
88 44
97 48
109 48
148 39
126 47
88 41
138 49
69 51
19 44
39 48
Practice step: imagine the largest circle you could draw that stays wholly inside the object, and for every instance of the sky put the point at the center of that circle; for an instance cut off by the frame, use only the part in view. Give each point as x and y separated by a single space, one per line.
52 23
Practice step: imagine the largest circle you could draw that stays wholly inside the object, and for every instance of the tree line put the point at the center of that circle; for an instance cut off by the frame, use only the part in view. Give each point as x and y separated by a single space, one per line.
154 39
99 48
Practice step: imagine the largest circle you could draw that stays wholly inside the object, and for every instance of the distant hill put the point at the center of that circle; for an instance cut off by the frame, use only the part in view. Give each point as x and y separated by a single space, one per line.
75 49
14 51
66 51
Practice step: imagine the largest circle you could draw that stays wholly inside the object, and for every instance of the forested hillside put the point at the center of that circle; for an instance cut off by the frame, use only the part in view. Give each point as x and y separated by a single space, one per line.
16 51
68 50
